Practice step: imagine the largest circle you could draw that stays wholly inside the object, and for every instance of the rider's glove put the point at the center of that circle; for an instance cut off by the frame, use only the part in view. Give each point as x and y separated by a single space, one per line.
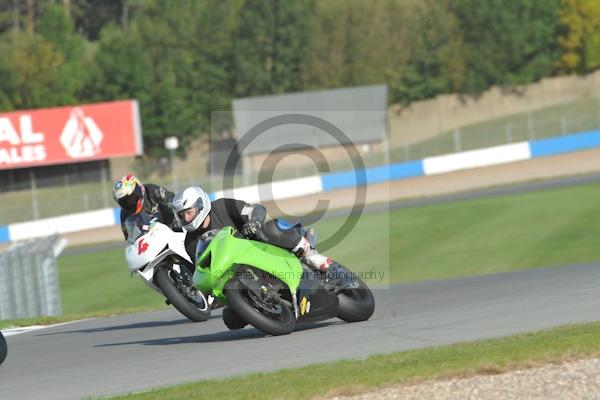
250 228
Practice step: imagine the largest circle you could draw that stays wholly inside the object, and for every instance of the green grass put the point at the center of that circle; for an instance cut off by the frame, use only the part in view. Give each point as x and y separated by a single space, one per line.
483 236
101 283
500 234
355 376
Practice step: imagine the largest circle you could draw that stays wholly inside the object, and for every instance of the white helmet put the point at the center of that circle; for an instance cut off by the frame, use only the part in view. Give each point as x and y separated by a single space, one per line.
191 198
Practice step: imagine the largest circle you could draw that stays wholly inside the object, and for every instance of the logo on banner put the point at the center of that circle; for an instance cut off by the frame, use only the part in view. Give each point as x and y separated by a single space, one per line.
81 137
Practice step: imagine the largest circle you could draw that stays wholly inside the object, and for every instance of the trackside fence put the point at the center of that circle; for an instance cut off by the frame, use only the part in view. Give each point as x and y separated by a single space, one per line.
29 278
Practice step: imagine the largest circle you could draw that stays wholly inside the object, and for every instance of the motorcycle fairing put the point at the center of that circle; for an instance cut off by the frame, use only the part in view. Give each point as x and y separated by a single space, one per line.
225 251
149 246
315 303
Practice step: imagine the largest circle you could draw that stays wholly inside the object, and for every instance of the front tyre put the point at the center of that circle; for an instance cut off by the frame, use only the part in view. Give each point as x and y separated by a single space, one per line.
245 305
356 303
185 298
3 348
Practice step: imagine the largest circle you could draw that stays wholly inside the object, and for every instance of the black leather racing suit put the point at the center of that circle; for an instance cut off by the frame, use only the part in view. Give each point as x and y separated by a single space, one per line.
158 202
236 213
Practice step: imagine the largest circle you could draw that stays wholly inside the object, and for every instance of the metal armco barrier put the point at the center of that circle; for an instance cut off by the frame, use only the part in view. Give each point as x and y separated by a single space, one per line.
29 278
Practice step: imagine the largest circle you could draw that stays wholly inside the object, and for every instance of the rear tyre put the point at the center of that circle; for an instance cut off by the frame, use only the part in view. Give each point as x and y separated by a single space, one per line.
3 348
186 299
356 304
243 304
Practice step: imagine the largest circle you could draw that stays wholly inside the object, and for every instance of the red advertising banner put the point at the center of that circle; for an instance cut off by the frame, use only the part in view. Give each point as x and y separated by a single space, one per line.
70 134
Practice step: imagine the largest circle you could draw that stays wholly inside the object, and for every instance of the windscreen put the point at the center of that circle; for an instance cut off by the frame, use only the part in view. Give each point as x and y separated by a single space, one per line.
137 225
205 241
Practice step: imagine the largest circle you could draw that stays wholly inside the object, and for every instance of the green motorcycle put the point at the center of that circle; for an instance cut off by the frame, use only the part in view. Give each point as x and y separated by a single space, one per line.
270 288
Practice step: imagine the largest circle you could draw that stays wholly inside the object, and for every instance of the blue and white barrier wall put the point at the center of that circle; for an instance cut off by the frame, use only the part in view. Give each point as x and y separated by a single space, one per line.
332 181
63 224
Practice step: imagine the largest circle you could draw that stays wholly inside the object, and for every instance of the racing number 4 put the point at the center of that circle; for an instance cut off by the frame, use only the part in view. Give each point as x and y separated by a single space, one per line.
142 246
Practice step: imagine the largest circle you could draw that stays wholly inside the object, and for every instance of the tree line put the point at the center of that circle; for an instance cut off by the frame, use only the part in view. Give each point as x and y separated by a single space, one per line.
183 59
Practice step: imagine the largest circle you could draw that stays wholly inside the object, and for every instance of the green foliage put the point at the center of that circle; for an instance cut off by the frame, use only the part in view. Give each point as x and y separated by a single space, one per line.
57 28
436 63
35 64
45 69
357 43
171 37
269 43
121 67
506 42
91 16
579 41
183 59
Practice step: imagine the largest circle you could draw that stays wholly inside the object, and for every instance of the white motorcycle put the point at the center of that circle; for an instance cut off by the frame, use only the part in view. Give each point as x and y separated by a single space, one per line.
157 255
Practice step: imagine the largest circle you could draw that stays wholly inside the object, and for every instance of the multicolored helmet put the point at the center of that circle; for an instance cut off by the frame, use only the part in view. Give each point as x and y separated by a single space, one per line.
128 192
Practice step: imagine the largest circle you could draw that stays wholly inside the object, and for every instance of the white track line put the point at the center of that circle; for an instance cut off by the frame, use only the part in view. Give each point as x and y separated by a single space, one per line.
25 329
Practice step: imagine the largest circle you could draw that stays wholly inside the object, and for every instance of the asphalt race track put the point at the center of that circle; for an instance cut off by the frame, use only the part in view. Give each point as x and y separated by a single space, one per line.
128 353
137 352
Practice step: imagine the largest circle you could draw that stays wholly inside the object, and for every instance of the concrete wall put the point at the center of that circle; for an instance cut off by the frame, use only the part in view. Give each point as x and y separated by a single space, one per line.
425 119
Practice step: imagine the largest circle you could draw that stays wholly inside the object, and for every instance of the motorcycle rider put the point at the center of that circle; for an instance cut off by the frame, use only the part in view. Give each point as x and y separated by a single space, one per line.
198 215
133 197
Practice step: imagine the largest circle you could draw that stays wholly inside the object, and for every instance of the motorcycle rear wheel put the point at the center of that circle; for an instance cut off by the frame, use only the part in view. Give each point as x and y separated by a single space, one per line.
356 304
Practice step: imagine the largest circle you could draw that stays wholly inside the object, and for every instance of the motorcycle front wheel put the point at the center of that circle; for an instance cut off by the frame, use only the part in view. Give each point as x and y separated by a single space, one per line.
249 308
185 297
3 348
